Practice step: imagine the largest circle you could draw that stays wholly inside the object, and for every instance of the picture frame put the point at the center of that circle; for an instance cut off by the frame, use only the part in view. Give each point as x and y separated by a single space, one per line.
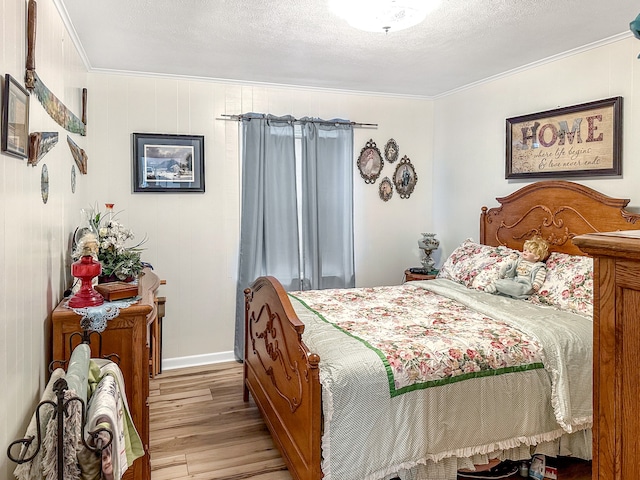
15 118
385 189
166 163
370 162
578 141
405 177
391 151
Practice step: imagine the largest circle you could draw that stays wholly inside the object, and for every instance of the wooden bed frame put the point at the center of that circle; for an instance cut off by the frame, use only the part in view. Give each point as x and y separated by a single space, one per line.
283 376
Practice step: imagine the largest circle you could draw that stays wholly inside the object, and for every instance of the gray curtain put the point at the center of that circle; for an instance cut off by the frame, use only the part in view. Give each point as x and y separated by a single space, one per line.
269 221
270 236
327 205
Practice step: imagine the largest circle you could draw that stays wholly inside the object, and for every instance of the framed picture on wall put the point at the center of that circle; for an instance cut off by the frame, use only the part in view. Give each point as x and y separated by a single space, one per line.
385 189
578 141
15 118
370 162
405 177
165 163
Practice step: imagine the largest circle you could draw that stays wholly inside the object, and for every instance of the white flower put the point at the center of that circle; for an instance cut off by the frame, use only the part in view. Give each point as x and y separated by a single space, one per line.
115 256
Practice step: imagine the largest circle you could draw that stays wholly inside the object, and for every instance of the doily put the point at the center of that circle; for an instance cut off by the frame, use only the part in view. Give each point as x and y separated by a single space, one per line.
95 318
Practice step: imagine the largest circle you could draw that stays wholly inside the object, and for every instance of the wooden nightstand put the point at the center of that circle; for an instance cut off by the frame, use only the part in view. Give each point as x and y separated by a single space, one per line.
410 277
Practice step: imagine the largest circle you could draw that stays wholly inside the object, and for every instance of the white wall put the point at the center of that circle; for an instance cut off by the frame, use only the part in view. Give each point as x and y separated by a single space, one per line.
34 236
459 158
469 137
193 238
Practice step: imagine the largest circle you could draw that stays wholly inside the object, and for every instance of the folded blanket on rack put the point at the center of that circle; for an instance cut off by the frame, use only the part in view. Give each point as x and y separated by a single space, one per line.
78 371
108 408
72 431
33 470
90 461
105 411
100 381
76 378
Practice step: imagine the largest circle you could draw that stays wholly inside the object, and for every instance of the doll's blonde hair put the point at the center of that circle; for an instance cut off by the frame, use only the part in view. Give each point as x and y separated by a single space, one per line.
537 246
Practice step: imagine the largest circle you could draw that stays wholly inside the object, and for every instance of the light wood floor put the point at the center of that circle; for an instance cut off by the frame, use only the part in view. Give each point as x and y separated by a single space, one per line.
202 430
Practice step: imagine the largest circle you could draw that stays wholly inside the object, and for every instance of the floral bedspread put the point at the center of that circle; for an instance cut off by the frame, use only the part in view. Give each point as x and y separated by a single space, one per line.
428 433
424 339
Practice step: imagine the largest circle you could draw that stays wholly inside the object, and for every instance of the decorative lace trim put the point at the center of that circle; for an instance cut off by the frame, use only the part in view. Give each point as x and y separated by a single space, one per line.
95 318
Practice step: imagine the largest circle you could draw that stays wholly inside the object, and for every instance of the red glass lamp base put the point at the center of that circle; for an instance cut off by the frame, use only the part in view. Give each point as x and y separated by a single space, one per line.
86 269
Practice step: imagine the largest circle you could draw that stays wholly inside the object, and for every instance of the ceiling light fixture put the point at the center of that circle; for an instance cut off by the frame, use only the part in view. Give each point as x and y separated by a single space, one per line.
383 15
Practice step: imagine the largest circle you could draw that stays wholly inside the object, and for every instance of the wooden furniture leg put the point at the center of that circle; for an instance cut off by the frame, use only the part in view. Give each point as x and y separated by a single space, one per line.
156 337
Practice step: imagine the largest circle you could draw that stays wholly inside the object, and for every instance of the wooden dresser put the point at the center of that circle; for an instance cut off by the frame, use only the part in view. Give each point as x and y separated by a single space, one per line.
127 336
616 346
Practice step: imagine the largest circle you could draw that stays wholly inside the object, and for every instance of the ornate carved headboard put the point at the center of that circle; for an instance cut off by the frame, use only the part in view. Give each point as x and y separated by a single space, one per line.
557 211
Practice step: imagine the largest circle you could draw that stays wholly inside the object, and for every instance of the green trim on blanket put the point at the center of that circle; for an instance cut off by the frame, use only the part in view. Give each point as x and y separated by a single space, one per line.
393 391
392 383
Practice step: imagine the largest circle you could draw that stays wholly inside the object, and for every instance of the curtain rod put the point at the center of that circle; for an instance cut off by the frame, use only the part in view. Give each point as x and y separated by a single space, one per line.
323 122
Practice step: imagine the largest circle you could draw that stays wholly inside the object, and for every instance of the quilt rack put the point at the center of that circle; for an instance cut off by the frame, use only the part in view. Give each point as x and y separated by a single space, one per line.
61 407
85 337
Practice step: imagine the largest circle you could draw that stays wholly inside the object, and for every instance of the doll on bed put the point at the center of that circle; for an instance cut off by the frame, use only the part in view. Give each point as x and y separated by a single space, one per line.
524 274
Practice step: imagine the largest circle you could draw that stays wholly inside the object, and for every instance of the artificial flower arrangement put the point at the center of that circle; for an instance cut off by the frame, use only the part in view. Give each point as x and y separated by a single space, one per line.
119 261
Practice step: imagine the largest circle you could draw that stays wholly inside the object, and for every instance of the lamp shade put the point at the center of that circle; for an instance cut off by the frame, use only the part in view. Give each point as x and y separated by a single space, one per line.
85 228
383 15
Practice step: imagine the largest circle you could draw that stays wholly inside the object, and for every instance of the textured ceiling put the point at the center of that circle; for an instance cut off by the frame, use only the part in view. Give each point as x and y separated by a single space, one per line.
302 43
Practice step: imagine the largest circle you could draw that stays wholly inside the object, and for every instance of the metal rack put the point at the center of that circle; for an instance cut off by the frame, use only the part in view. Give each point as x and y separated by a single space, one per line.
61 408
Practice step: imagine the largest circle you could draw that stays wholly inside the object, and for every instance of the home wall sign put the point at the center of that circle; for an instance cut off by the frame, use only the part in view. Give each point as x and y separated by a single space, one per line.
53 106
577 141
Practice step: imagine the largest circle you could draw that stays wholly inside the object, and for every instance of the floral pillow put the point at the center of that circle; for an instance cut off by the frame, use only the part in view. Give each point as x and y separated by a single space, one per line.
568 285
474 265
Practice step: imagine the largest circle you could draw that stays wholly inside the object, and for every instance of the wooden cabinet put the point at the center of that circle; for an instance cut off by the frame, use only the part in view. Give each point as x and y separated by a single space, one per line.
616 346
126 336
410 277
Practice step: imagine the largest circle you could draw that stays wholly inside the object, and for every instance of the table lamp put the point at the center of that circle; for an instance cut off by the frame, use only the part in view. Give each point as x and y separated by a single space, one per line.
428 243
86 269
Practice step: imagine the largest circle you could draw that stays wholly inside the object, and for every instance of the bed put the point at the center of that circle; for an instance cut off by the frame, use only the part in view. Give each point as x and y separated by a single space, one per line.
344 397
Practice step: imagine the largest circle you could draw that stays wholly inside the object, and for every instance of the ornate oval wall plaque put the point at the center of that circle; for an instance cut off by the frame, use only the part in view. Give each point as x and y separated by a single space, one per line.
391 151
405 178
44 183
385 189
73 179
370 162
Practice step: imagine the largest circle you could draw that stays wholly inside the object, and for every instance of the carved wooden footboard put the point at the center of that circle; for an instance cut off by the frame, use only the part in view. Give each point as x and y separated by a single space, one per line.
283 377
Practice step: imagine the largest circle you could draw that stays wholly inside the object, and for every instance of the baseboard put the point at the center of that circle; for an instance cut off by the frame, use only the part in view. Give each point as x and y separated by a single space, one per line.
197 360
